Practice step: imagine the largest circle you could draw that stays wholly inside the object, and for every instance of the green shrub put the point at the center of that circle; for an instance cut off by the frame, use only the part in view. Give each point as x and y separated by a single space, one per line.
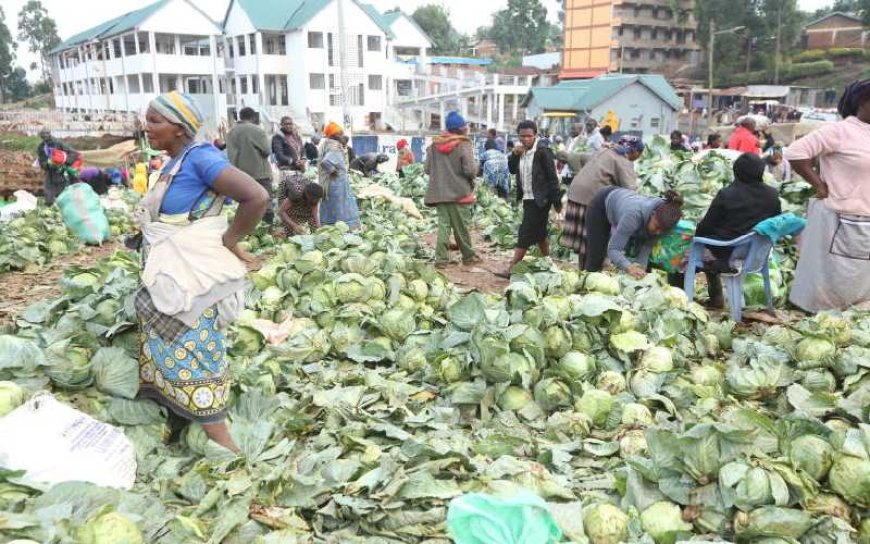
809 56
804 69
846 53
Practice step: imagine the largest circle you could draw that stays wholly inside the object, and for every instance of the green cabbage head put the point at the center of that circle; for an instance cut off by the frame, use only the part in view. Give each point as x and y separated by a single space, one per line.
596 404
551 393
850 478
514 398
663 521
11 397
813 454
109 528
605 524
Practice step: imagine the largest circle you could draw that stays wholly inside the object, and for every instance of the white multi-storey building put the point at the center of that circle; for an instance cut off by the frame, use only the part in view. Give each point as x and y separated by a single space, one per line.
121 64
280 57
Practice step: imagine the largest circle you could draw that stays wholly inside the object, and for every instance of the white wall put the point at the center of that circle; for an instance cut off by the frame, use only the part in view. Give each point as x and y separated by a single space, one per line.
238 22
408 34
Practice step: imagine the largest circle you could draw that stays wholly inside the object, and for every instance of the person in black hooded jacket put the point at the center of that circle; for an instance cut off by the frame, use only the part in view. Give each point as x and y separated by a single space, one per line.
734 212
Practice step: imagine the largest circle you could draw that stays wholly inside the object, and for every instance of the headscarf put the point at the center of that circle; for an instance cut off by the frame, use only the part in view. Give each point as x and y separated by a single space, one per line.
332 129
402 144
852 97
179 109
629 143
749 168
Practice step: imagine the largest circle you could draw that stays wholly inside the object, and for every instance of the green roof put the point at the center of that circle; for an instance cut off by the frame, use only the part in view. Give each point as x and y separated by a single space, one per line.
586 94
390 17
377 18
125 22
284 15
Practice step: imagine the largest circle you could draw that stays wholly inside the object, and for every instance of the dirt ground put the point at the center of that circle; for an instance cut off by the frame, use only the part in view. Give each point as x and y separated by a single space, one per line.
21 289
479 277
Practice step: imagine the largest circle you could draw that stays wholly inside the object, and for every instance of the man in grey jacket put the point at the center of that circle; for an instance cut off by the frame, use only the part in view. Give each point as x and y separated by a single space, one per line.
451 167
248 150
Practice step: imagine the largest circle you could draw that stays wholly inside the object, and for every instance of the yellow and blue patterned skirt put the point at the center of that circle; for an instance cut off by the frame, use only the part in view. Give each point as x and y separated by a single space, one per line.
188 375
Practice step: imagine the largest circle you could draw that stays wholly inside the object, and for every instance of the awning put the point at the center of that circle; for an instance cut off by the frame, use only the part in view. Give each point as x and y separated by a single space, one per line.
766 91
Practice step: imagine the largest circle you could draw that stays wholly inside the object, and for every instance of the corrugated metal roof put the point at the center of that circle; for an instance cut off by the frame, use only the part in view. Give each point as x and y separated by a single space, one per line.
469 61
585 94
378 19
120 24
766 91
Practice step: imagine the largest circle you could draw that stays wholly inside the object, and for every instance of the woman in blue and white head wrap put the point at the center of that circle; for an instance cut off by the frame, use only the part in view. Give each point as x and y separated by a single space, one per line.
609 167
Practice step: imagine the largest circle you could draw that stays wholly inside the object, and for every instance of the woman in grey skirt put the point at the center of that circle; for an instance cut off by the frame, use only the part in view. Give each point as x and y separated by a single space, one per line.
607 168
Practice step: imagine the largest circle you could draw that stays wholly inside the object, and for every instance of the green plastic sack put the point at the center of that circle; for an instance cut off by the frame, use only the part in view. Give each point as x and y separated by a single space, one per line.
523 518
83 213
668 251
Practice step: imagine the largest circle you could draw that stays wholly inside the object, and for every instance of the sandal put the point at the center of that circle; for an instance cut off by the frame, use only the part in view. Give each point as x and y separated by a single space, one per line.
506 274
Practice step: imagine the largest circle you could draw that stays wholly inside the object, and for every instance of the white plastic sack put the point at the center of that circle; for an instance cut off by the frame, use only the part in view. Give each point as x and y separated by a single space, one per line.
24 202
55 443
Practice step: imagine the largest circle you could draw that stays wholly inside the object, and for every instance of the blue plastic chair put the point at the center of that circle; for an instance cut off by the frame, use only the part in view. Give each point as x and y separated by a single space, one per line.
751 255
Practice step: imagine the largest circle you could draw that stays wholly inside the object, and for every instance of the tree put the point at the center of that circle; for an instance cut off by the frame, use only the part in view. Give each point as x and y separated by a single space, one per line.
17 86
521 27
39 31
7 55
434 19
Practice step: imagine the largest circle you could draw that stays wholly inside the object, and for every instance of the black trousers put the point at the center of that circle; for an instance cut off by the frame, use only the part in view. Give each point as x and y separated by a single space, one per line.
714 284
269 216
597 231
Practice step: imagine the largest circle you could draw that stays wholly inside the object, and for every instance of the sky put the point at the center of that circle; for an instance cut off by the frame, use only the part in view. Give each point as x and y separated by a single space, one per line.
74 16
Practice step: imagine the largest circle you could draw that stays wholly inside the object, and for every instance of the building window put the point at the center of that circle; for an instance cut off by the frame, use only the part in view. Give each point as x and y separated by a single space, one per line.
147 83
244 84
116 46
330 49
374 43
252 39
255 84
230 48
362 95
240 42
233 85
275 45
129 45
133 84
194 87
635 54
359 48
111 86
143 42
637 33
315 40
164 43
316 81
221 85
376 83
654 122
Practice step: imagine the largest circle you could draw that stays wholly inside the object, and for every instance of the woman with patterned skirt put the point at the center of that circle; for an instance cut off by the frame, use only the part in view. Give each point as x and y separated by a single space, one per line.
193 274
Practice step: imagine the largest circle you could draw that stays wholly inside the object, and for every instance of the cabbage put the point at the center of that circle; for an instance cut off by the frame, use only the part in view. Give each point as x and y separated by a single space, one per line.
864 531
508 367
247 341
627 322
632 443
271 298
344 335
814 352
109 528
663 521
813 454
829 505
558 342
706 375
107 312
451 370
352 288
411 359
310 260
521 295
657 359
849 477
11 397
628 342
265 277
576 366
418 290
602 283
514 398
636 414
398 324
551 393
596 404
772 521
605 524
611 381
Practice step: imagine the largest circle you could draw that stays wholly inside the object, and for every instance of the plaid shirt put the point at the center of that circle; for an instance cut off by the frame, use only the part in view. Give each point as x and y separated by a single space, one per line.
166 326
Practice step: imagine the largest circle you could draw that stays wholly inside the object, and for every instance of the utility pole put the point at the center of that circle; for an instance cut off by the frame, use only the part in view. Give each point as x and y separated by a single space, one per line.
778 42
342 66
710 75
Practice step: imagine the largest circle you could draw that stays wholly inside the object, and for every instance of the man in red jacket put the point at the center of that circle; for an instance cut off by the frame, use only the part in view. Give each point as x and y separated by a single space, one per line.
744 138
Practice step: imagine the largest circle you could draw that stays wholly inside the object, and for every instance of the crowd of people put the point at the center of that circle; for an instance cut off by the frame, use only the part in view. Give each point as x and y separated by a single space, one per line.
183 304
